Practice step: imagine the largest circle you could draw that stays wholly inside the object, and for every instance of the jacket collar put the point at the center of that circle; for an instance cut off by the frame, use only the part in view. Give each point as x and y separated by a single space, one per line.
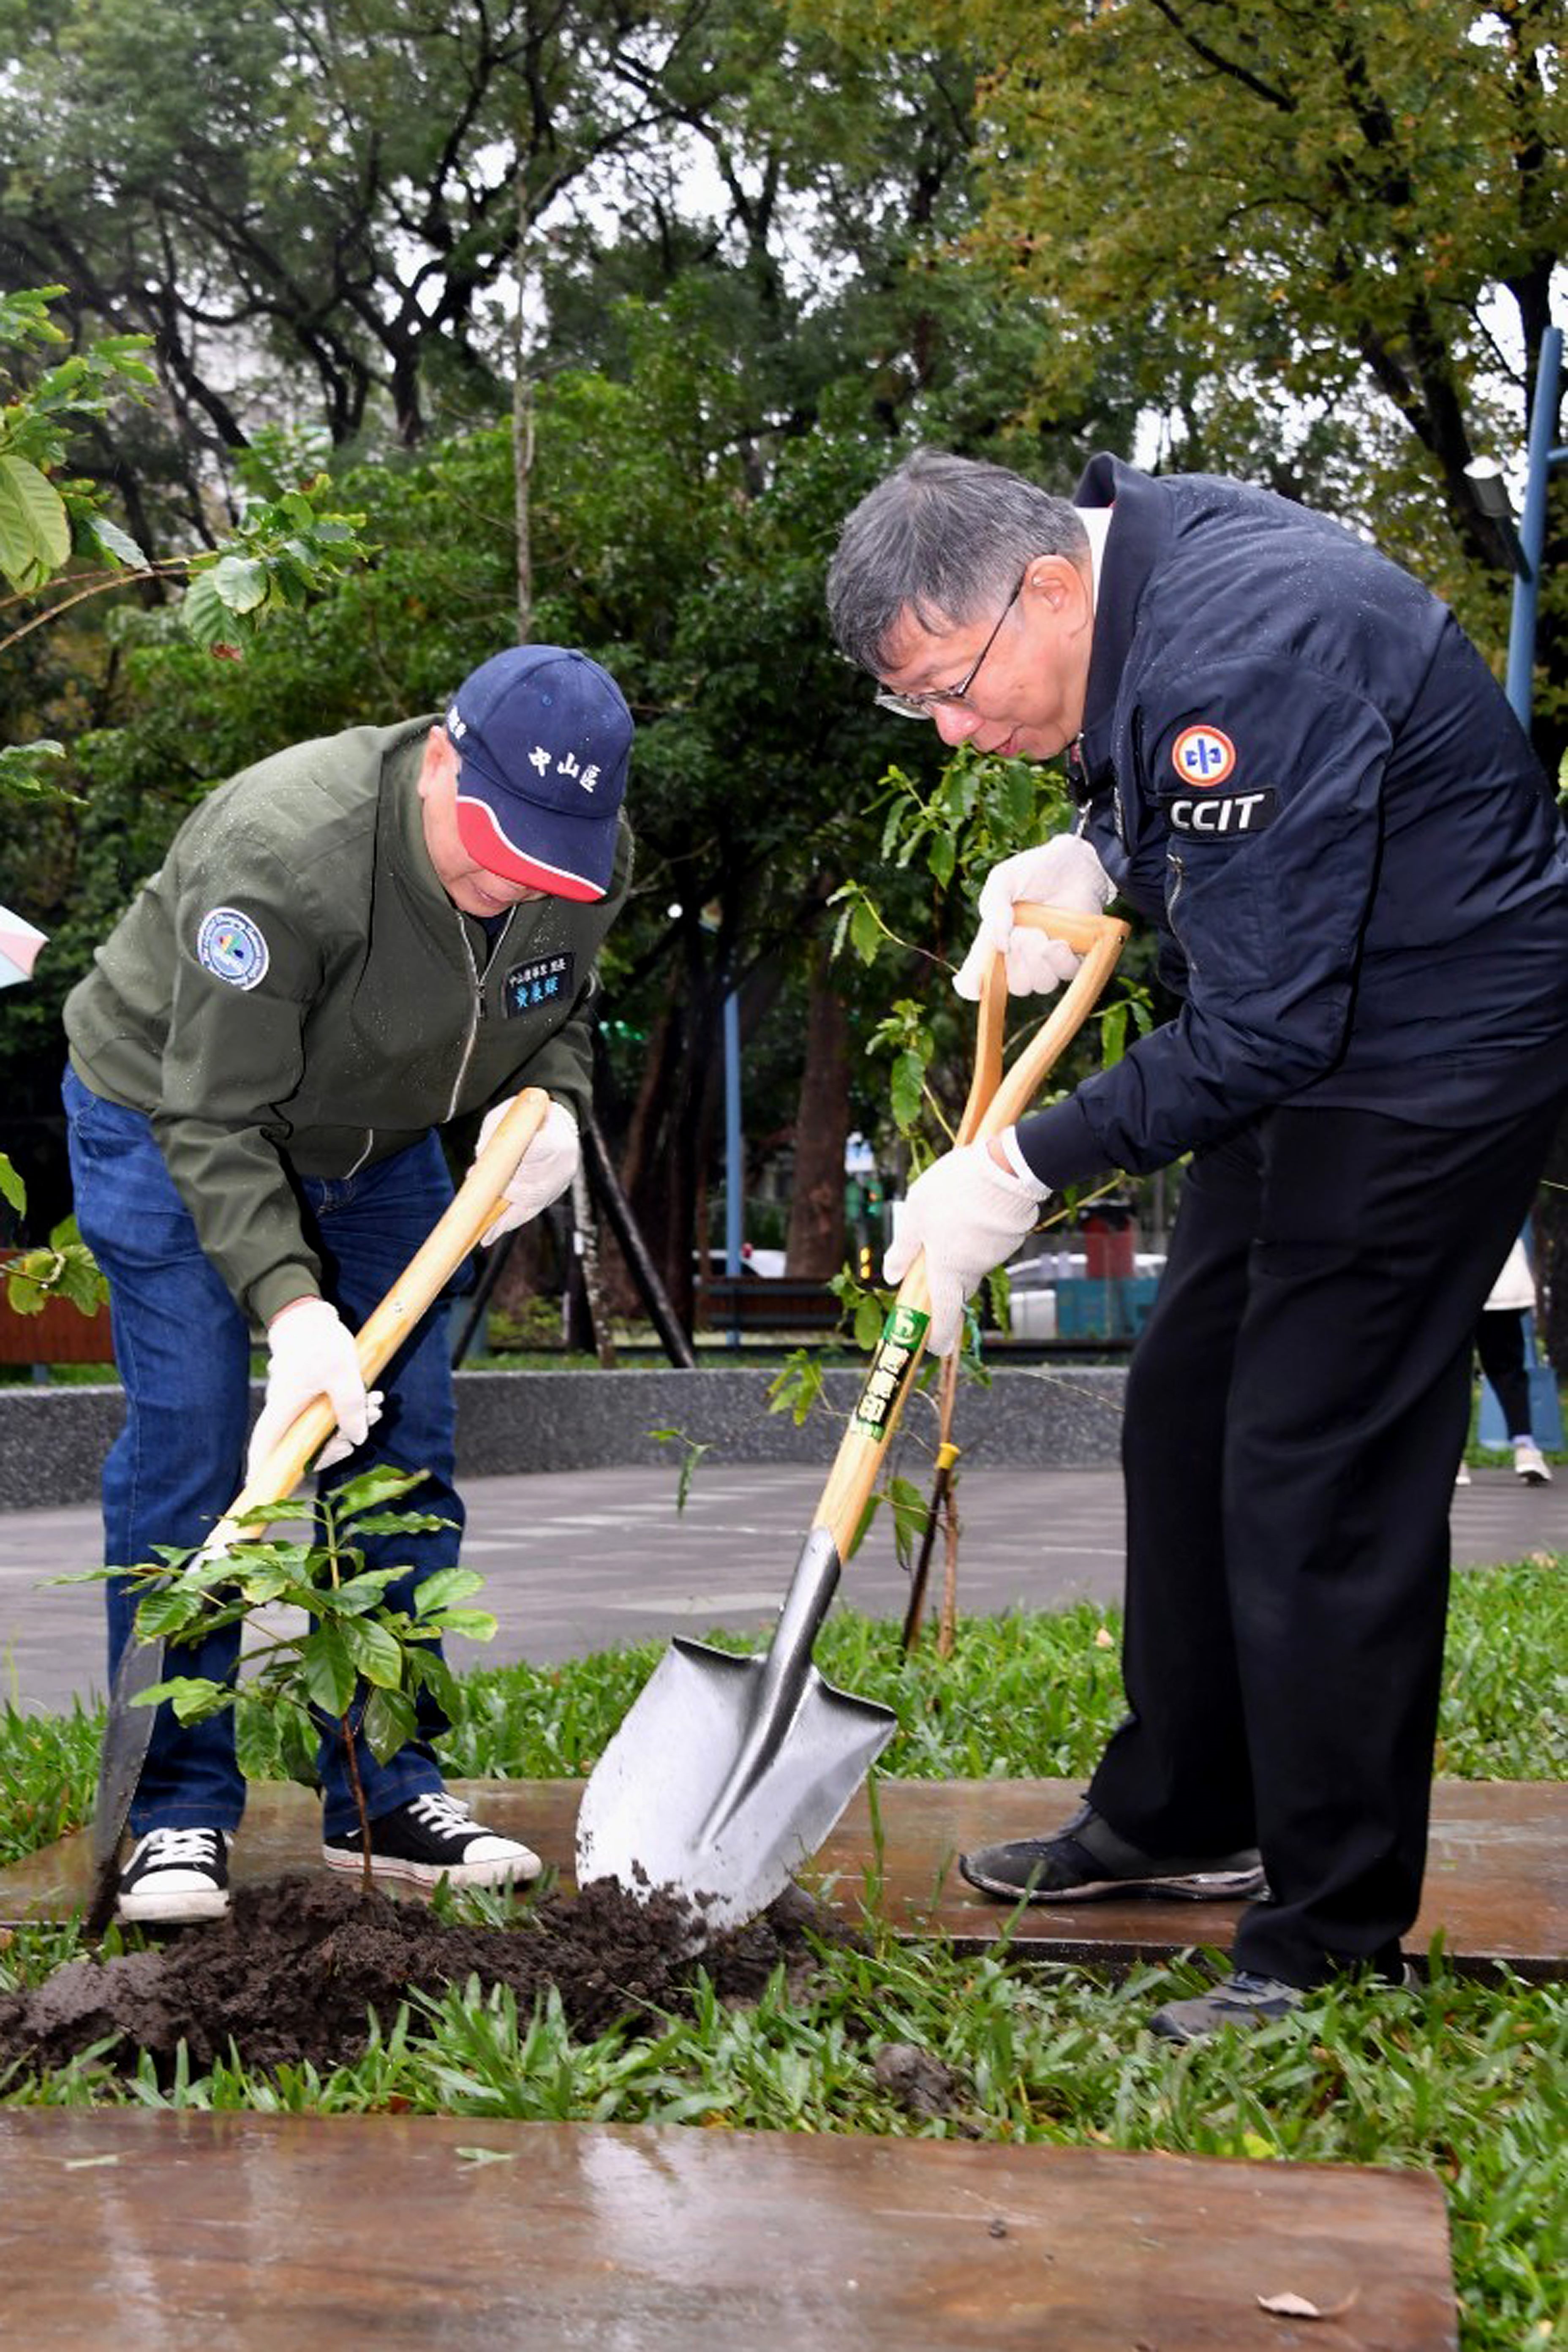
403 812
1137 542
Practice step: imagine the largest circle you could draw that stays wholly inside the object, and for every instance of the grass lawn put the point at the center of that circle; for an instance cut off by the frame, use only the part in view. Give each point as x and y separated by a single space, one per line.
1462 2079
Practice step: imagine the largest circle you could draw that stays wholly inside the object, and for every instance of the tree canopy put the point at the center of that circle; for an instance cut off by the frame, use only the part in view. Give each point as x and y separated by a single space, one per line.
696 273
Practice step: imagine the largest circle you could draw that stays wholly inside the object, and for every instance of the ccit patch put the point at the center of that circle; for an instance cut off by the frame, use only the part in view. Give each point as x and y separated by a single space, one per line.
1205 816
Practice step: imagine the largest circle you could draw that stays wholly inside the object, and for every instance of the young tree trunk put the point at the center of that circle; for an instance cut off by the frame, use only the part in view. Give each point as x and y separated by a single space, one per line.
814 1248
522 424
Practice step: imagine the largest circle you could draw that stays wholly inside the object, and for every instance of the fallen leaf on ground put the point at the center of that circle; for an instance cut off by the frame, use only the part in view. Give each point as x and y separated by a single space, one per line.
1295 2306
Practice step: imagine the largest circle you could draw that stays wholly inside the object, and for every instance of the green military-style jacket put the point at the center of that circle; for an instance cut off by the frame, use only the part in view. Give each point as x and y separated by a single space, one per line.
293 993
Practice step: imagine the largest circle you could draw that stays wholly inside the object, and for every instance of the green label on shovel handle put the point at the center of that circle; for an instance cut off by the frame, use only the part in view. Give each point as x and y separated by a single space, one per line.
903 1334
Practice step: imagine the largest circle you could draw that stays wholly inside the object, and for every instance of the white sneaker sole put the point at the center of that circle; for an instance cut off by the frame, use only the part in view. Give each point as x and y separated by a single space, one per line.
169 1909
518 1871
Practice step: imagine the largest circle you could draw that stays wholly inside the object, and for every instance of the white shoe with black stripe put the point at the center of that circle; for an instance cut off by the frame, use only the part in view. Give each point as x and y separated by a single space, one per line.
176 1874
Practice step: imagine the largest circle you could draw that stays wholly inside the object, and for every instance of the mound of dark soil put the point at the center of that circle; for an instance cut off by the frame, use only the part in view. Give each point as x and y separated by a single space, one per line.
290 1974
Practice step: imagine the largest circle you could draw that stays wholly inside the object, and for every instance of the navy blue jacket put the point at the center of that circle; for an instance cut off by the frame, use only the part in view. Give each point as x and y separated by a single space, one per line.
1298 768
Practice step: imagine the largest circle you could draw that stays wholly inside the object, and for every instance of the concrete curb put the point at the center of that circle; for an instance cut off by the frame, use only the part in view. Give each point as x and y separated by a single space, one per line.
53 1441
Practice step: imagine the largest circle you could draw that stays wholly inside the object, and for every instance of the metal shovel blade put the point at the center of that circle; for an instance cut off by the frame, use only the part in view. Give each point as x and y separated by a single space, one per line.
729 1772
126 1736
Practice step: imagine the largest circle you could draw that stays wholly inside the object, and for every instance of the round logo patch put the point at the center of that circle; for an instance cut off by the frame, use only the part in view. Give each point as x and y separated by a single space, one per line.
1202 755
231 948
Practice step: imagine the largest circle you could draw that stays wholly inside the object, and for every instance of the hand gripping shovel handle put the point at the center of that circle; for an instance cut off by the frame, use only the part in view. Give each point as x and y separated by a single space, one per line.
1098 940
455 1232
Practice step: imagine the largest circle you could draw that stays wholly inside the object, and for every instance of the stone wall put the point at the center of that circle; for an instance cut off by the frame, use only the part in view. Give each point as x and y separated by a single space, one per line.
53 1439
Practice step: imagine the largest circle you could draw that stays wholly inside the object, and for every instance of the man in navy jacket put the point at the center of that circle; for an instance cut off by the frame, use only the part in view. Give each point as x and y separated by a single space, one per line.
1289 757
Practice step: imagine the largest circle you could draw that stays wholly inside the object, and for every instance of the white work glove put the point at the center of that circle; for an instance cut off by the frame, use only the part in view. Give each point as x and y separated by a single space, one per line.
543 1172
968 1215
312 1355
1062 872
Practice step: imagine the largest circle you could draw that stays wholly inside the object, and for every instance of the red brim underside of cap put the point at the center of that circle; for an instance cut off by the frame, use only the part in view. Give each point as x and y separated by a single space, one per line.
483 837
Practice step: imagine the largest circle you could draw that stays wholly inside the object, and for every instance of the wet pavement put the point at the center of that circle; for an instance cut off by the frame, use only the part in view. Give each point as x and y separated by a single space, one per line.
580 1561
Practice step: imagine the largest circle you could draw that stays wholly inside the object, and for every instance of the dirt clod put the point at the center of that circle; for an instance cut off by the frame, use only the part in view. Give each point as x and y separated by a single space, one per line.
917 2079
289 1976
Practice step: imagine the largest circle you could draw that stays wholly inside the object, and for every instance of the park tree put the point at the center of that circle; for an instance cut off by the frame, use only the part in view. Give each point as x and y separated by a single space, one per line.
1333 231
708 392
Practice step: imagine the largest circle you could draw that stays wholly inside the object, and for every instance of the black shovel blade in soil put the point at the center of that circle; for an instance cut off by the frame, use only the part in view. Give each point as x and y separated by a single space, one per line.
728 1772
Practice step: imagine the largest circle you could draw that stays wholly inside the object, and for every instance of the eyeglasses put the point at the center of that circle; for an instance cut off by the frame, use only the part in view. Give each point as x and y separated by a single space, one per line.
948 697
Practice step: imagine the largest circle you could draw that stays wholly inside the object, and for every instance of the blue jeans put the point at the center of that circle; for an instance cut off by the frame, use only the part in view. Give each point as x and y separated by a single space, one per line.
184 1351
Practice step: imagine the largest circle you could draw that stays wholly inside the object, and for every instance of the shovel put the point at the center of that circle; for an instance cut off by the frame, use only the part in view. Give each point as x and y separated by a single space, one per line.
129 1729
728 1772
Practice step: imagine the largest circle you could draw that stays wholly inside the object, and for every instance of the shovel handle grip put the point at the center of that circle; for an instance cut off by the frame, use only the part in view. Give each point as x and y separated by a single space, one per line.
388 1324
1098 940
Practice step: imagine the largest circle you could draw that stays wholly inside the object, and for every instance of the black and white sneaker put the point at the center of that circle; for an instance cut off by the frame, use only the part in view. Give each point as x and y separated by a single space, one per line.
176 1874
433 1836
1086 1861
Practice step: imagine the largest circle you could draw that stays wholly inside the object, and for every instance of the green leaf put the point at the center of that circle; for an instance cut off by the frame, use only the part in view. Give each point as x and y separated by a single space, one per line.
796 1389
365 1591
12 1188
868 1321
390 1722
427 1672
159 1614
373 1651
297 1747
34 529
447 1585
192 1696
473 1624
205 614
865 931
381 1484
267 1582
241 581
907 1088
394 1523
328 1669
102 537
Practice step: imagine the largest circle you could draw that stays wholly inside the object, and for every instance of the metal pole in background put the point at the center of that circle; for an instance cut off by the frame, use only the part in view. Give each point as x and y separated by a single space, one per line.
1541 458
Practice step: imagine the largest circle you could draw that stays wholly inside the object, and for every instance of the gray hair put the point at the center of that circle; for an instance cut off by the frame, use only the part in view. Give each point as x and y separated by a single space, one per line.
943 539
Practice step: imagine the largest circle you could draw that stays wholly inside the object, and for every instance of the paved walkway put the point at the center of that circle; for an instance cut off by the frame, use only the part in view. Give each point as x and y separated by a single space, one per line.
578 1560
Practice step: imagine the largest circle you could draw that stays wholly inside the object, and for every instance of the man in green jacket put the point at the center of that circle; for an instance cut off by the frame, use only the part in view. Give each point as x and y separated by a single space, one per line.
349 945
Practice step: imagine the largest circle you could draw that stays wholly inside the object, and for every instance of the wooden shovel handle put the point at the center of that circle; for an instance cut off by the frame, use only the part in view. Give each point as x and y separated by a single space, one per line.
1098 940
450 1239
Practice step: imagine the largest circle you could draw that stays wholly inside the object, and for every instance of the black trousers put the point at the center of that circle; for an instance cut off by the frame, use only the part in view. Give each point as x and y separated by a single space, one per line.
1295 1410
1499 1344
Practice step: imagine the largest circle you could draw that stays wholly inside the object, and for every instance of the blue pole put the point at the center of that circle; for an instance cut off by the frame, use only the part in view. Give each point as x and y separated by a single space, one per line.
1532 528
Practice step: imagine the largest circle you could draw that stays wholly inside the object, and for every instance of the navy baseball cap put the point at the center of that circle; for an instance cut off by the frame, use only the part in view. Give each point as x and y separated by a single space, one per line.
544 737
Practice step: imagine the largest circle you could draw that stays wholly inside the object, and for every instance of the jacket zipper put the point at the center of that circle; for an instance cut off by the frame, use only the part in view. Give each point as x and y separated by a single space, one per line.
1180 871
478 979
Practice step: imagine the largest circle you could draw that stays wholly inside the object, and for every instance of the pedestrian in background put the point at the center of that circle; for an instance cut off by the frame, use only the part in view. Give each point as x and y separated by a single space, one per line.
1499 1344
